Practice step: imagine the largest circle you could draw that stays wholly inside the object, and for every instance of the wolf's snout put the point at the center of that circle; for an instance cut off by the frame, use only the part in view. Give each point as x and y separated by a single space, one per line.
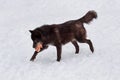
34 45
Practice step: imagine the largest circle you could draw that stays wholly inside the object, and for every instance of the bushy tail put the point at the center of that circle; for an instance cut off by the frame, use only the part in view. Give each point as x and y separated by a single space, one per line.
88 17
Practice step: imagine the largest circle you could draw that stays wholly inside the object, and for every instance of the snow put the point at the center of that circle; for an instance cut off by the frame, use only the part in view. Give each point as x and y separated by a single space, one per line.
19 16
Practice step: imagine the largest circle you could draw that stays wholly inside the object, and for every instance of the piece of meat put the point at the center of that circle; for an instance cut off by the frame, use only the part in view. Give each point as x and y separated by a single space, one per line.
38 47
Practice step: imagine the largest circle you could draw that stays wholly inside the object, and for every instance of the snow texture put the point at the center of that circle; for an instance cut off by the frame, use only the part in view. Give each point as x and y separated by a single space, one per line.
18 16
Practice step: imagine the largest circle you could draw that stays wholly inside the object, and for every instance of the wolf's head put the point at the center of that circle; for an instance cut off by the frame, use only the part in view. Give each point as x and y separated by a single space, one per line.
37 38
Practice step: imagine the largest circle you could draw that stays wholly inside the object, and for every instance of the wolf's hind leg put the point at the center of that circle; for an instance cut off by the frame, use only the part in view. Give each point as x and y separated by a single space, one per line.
76 46
88 42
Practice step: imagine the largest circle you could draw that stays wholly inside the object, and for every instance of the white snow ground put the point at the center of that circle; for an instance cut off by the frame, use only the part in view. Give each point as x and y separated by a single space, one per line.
18 16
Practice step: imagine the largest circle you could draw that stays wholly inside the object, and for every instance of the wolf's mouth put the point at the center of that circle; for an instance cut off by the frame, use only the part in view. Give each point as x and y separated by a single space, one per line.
38 47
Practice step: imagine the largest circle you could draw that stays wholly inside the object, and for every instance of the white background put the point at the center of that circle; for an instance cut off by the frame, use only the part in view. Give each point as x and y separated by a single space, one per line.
19 16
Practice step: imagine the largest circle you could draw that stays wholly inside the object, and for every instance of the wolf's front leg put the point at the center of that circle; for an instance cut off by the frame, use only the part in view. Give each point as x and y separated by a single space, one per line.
34 56
59 50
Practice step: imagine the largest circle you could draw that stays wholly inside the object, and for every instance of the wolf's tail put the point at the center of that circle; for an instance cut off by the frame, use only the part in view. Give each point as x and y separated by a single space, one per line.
88 17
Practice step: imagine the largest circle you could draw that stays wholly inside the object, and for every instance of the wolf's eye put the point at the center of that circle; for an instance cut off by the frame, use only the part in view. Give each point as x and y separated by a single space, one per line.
36 40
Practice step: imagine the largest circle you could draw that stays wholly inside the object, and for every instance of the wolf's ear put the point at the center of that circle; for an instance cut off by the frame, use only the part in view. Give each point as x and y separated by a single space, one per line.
30 31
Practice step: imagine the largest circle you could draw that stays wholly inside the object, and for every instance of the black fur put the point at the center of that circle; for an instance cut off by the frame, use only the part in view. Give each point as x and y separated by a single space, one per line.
60 34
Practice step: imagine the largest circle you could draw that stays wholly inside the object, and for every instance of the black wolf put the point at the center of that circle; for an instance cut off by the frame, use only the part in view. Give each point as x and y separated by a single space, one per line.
59 34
